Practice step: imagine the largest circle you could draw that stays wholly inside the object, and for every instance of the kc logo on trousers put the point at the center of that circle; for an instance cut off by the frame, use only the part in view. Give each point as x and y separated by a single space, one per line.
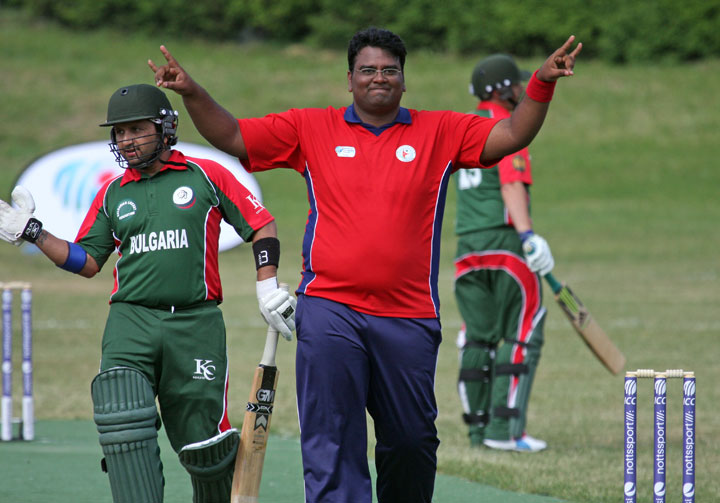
204 369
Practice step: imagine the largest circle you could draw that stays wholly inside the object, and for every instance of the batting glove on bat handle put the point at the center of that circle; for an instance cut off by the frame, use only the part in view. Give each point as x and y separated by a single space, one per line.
537 254
277 307
18 223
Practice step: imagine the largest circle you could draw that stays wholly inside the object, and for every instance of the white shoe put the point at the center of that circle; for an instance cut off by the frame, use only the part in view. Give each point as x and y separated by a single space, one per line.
500 445
526 443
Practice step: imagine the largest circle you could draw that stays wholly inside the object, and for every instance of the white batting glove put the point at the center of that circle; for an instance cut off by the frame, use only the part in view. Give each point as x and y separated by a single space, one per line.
538 255
14 220
277 307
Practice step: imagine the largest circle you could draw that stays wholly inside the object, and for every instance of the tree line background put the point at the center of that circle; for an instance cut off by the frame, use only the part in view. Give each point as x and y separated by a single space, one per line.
616 31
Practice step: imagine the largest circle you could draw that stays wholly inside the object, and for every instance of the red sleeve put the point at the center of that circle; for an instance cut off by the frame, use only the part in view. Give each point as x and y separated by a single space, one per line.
477 129
236 201
516 167
91 216
273 141
96 233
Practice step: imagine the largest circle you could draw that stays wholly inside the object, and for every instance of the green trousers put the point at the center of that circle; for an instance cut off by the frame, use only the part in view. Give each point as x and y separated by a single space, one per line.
500 301
183 355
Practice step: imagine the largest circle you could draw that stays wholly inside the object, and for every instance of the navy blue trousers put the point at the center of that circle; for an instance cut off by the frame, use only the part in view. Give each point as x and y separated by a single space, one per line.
349 362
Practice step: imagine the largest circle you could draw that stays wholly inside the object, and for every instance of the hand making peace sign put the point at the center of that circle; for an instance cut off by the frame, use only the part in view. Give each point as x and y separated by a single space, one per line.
560 63
171 75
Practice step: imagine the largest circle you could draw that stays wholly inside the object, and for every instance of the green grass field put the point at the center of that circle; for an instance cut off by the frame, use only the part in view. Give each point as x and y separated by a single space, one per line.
626 175
33 469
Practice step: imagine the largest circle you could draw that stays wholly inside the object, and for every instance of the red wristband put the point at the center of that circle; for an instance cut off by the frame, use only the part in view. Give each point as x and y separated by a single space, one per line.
539 90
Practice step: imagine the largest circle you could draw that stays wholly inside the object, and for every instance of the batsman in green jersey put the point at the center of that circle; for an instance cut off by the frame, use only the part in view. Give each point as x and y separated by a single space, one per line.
164 338
497 283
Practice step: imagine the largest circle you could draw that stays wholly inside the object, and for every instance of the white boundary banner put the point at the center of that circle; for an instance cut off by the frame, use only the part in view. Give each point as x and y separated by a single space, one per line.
64 183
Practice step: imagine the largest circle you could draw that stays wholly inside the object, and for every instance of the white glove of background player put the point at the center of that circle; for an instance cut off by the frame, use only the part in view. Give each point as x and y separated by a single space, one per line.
14 220
537 255
277 306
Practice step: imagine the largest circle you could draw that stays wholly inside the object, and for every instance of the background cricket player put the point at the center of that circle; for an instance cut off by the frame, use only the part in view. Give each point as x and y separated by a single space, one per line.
368 327
165 335
497 289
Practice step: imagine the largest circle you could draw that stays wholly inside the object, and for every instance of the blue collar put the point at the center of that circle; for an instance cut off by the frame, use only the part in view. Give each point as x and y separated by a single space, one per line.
403 117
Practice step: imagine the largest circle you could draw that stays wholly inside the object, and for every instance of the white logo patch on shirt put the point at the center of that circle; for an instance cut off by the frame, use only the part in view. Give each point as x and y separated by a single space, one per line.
125 209
345 151
183 197
405 153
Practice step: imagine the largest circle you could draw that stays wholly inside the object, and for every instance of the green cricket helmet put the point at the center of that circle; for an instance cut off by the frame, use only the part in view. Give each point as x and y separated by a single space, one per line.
140 102
496 73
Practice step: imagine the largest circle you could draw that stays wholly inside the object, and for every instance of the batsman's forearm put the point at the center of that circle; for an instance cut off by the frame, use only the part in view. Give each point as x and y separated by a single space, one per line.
214 123
268 230
515 197
56 250
266 272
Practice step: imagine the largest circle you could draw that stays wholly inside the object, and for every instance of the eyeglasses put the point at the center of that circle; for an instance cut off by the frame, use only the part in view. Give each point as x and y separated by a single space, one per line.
389 73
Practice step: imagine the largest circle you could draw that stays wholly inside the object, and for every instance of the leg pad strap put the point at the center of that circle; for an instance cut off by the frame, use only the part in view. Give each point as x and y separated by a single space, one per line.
482 374
511 369
502 411
482 345
480 419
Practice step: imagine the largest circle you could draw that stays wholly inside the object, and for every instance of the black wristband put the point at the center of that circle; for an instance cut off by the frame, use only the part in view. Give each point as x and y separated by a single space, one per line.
266 252
32 230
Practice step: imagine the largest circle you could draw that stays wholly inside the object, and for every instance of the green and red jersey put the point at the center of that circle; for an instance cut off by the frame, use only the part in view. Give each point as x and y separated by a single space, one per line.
166 229
479 202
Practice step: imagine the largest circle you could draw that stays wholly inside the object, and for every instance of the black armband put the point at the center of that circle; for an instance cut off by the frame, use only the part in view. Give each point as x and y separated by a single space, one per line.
266 252
32 230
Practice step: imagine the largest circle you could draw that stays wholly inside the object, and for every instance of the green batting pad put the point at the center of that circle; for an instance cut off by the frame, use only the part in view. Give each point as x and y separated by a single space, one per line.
126 418
210 464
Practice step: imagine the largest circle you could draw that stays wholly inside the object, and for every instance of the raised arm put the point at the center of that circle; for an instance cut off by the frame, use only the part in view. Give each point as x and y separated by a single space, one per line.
215 124
510 135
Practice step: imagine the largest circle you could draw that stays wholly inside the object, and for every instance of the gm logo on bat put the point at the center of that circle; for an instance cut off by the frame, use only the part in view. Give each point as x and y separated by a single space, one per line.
265 395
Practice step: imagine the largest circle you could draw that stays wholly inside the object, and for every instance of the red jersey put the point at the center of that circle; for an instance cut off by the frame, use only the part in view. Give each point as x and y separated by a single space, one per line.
377 196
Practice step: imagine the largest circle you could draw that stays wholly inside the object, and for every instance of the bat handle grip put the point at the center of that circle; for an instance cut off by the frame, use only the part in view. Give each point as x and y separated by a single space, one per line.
555 285
268 357
271 340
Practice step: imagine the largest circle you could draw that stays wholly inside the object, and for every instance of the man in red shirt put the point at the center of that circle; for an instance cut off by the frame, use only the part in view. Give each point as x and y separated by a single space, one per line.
367 319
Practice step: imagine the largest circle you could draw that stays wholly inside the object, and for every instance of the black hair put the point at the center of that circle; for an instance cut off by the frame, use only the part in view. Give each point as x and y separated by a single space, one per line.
376 37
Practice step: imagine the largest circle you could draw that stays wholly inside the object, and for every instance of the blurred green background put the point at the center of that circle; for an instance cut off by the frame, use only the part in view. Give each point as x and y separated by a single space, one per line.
625 190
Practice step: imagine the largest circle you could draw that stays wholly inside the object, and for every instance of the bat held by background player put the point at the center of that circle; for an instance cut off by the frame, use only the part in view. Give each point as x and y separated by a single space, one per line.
586 326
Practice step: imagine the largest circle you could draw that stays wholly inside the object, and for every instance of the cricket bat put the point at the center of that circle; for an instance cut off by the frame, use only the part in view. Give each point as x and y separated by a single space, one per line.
585 325
256 425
